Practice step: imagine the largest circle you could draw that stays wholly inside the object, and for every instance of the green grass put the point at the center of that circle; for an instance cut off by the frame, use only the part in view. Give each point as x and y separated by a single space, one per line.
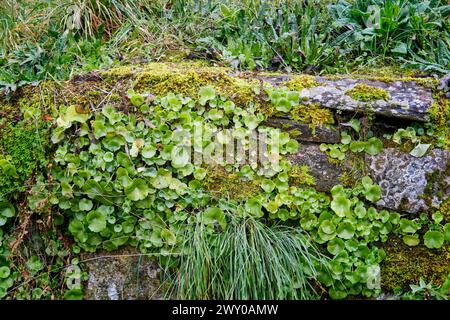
249 260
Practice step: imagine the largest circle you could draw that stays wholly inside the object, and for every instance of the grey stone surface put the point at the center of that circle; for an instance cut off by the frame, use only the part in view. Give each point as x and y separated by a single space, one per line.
303 132
326 174
121 275
404 179
407 99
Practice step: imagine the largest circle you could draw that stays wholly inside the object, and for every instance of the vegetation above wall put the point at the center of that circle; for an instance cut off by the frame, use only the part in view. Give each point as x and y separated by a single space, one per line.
97 140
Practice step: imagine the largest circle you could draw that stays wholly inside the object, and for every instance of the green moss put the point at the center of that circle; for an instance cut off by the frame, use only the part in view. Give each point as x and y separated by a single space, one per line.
405 265
312 114
364 92
229 185
24 143
301 82
300 176
186 79
440 117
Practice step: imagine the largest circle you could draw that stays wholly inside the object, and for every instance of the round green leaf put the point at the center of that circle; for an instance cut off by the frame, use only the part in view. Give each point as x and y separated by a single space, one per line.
341 205
433 239
345 230
137 190
335 246
96 221
373 146
7 210
328 227
373 193
4 272
85 204
411 240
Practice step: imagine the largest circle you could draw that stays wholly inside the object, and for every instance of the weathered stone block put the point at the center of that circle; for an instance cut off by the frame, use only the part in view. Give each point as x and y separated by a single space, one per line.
325 173
304 132
404 179
124 275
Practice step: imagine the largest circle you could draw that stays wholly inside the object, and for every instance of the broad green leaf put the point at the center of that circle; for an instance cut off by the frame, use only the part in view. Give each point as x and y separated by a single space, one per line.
345 230
433 239
212 215
341 205
85 204
137 190
96 221
335 246
206 94
411 240
373 146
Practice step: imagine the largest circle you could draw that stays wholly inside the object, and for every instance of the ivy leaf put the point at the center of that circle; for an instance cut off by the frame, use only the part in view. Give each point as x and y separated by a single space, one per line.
4 272
34 264
71 115
345 138
355 124
328 227
357 146
74 294
162 180
168 237
292 146
8 168
113 143
199 173
96 221
267 185
447 231
408 226
137 190
420 150
99 128
335 246
148 151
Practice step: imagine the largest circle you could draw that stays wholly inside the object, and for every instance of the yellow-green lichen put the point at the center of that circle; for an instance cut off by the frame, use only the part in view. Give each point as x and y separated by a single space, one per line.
405 265
301 82
364 92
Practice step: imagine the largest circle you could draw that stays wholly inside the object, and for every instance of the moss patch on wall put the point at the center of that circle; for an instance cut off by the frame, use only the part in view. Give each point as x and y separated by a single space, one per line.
405 265
229 185
364 92
301 82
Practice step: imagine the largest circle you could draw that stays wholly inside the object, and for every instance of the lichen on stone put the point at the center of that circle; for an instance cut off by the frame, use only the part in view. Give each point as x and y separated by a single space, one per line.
364 92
